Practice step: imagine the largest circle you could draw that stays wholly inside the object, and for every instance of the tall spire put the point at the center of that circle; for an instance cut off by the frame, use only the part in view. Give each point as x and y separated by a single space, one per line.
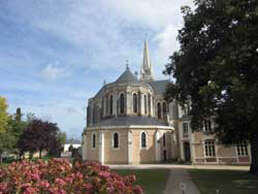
146 68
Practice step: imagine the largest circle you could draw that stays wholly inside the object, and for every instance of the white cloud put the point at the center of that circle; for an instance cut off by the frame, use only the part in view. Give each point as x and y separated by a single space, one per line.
52 72
151 13
166 41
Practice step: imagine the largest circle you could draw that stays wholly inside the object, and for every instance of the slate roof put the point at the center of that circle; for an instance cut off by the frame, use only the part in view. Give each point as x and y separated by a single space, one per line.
159 86
130 120
127 76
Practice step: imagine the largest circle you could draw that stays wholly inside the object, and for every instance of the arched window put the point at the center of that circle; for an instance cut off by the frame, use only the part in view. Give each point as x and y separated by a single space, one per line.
111 105
145 104
149 103
122 103
106 104
115 140
159 110
135 104
164 109
164 139
143 140
93 140
102 107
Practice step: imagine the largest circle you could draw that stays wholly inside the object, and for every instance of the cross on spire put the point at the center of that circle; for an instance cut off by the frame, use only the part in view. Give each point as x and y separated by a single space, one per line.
126 63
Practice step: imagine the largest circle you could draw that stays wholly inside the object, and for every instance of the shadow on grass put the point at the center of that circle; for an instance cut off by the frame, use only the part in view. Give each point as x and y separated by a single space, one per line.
227 181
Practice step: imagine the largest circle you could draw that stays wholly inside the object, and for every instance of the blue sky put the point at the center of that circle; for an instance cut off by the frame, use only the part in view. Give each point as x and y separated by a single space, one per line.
55 54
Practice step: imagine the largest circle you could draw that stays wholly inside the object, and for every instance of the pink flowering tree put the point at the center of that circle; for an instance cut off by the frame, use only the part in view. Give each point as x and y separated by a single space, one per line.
60 177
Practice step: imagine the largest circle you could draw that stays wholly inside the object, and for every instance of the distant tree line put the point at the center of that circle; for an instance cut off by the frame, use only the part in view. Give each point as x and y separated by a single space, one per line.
19 136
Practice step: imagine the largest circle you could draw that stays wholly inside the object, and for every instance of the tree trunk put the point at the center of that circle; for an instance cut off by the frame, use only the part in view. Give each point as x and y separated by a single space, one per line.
254 154
40 153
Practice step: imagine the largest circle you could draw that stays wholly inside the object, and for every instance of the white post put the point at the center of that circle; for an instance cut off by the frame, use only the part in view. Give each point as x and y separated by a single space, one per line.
130 147
101 147
142 104
115 104
152 107
128 103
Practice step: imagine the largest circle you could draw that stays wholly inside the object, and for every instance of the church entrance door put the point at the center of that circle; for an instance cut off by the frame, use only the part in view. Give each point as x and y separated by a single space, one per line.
187 152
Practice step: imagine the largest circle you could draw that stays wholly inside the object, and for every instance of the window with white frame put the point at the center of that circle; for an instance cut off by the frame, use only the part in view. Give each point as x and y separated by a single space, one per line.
242 149
93 140
210 148
115 140
207 125
185 129
143 140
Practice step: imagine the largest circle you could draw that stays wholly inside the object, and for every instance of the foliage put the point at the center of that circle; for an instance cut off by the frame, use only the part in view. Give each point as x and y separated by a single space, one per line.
38 136
61 137
10 137
3 115
59 176
7 143
216 69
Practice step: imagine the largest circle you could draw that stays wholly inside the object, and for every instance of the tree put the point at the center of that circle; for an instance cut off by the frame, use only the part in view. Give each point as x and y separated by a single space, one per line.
7 143
38 136
16 128
216 69
3 115
61 136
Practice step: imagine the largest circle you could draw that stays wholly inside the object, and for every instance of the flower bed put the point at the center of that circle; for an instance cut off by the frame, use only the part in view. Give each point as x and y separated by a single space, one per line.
59 176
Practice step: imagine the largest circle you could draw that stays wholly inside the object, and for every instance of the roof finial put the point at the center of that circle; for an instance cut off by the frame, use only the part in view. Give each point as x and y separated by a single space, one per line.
127 65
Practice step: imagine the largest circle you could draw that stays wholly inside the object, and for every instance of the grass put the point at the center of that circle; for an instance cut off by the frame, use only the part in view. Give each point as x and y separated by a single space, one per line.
235 182
153 181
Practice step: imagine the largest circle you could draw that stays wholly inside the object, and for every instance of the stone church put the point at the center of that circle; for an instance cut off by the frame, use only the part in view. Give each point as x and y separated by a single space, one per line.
129 122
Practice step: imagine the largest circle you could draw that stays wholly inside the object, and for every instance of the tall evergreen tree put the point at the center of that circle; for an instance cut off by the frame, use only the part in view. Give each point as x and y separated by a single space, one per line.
3 115
216 68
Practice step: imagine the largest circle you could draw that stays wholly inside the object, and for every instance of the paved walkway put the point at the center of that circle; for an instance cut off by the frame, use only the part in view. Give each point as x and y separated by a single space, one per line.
178 178
173 166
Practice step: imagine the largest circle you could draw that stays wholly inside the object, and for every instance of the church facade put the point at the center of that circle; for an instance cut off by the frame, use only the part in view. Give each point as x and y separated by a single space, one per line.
129 122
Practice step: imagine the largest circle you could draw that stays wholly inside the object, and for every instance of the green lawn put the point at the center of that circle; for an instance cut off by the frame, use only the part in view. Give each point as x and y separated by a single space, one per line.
153 181
235 182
